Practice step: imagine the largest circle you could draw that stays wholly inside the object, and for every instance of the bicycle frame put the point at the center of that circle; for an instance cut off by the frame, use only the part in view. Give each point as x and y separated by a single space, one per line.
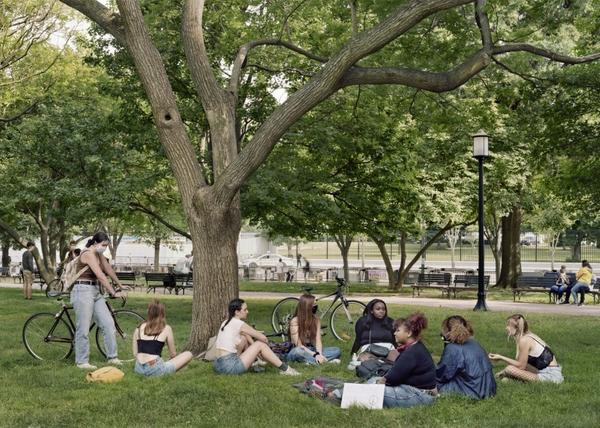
339 295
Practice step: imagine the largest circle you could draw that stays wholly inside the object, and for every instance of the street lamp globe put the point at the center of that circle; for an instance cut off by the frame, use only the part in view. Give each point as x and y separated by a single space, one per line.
480 144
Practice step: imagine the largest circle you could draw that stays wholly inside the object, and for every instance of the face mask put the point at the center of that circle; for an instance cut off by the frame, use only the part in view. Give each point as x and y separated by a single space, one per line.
100 250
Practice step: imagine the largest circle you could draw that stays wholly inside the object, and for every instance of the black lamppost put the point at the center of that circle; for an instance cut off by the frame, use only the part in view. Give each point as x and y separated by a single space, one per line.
480 152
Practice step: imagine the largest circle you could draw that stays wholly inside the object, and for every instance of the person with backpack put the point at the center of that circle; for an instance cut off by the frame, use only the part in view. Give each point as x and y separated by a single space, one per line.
238 345
148 342
88 301
305 335
464 367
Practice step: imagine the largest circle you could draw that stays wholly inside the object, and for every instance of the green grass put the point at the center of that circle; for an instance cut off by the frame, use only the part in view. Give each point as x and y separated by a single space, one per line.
42 394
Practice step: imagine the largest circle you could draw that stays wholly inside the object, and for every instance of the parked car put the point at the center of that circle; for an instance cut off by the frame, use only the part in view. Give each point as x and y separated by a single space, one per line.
268 260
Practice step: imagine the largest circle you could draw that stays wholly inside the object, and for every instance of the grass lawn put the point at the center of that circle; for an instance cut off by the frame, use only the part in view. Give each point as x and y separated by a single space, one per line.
42 394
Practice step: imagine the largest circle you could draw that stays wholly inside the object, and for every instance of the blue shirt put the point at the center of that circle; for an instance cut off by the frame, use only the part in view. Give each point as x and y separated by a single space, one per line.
466 369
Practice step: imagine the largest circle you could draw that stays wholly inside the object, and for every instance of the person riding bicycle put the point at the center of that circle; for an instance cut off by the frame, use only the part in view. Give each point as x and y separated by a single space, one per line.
88 301
148 342
305 334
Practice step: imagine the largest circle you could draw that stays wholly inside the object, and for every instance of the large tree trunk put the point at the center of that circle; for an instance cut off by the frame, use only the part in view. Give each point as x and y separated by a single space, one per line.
156 254
215 235
386 261
511 249
344 242
5 256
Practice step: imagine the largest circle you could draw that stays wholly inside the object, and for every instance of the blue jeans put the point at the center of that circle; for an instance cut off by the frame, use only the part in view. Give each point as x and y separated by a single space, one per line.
404 396
155 368
229 364
580 287
89 304
301 355
558 290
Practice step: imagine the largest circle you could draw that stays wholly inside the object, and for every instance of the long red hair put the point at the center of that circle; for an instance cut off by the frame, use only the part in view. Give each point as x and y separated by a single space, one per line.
307 321
156 320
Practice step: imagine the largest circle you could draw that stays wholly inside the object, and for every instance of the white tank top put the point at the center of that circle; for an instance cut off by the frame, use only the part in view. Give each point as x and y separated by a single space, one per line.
229 337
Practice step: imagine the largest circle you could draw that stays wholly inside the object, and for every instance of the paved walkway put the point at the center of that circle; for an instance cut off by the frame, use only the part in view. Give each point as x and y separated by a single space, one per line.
493 305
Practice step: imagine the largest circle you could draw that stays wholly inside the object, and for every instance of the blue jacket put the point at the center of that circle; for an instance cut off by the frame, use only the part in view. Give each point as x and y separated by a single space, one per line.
466 369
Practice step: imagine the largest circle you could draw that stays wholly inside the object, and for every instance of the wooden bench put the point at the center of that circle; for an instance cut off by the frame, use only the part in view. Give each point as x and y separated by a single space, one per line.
534 284
127 278
437 281
468 283
156 280
37 279
183 281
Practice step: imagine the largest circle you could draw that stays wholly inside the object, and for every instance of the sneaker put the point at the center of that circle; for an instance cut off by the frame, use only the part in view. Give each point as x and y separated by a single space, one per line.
115 362
564 303
580 304
259 363
335 361
86 366
290 372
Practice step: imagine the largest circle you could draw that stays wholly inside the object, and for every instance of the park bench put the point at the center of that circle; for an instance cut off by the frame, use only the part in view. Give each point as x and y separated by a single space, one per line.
535 284
183 281
127 278
468 283
436 281
37 279
156 280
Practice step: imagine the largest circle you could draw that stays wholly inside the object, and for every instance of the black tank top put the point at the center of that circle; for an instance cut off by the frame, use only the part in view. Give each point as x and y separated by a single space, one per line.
151 347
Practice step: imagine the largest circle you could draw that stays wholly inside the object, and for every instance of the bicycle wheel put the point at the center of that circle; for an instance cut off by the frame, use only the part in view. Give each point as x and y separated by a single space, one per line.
48 338
282 313
126 322
55 285
343 319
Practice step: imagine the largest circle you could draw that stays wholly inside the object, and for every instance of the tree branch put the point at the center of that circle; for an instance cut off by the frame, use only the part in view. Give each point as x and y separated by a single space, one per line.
19 115
138 207
484 24
101 15
554 56
242 55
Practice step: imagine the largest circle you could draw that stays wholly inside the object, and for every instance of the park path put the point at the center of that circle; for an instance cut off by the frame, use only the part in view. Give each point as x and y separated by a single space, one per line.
493 305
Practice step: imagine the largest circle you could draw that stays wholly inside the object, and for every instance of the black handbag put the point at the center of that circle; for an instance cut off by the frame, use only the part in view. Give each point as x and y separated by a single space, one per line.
378 350
373 368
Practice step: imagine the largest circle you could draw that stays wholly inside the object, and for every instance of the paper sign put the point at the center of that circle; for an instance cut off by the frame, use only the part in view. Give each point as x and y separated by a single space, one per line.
369 396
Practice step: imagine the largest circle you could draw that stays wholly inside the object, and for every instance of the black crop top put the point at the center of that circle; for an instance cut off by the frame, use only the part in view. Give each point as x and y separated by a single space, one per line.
152 347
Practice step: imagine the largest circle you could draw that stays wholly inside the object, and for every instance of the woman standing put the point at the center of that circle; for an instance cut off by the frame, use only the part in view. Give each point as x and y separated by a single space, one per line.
148 342
534 361
305 334
464 367
88 301
239 345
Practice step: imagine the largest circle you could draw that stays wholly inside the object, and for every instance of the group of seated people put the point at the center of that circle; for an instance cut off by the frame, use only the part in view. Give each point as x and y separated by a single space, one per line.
564 287
414 379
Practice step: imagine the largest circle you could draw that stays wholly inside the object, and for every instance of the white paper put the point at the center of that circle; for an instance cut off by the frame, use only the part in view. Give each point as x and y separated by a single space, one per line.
369 396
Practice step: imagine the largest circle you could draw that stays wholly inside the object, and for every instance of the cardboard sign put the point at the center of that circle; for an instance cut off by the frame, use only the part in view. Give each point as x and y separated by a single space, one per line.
369 396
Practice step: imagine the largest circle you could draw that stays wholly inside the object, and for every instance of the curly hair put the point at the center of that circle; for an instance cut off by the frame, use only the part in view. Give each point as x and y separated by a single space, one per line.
414 323
457 329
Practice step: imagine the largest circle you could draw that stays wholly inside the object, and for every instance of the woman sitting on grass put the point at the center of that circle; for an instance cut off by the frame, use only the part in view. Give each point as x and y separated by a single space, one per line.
535 361
464 367
239 345
148 342
374 327
305 334
411 381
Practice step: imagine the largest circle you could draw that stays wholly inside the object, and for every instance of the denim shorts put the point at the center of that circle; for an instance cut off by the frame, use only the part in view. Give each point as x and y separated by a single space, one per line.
155 367
551 374
229 364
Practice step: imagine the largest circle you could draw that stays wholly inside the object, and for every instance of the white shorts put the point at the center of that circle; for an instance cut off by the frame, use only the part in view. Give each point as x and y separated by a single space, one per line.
551 374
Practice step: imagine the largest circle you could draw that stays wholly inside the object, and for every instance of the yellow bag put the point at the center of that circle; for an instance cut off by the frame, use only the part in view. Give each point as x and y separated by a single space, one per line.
105 375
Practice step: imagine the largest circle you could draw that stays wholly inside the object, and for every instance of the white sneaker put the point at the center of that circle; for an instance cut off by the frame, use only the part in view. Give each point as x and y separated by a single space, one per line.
335 361
290 372
86 366
115 362
259 363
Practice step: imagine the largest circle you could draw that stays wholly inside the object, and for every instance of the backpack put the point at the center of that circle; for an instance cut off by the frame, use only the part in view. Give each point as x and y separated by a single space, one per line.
70 274
373 368
105 375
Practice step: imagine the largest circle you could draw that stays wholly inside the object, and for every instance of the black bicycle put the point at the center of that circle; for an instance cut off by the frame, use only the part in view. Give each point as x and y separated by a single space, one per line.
342 317
51 336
